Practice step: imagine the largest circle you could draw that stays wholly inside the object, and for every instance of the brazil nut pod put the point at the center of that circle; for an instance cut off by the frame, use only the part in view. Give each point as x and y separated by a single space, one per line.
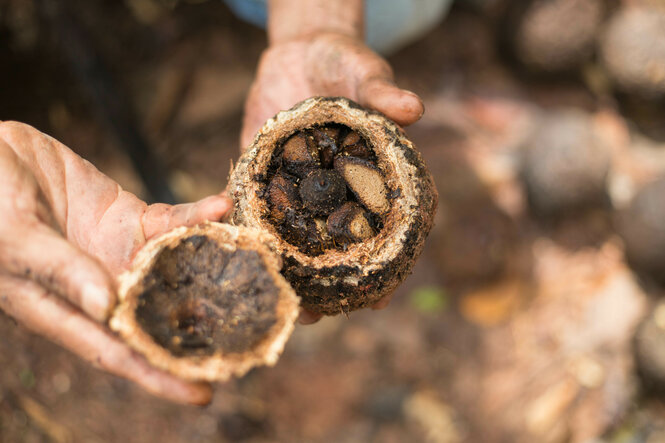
206 302
350 207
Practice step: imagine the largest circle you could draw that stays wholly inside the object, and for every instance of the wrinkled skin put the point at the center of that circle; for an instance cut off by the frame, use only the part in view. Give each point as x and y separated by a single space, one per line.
67 232
326 64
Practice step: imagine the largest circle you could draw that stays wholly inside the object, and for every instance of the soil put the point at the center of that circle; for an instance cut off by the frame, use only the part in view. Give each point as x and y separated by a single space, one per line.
200 299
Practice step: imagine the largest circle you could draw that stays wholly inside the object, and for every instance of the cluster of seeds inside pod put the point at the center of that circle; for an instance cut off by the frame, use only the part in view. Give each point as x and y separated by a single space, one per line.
325 190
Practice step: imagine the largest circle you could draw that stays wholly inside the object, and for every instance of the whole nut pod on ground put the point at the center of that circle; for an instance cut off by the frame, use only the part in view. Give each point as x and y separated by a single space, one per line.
207 302
649 349
632 50
564 164
387 182
553 35
642 228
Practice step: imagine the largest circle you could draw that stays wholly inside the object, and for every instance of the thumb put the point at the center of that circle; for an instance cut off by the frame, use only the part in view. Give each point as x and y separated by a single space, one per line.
340 65
400 105
160 218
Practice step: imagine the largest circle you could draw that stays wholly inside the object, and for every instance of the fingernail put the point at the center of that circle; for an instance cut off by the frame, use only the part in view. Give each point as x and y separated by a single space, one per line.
410 106
96 302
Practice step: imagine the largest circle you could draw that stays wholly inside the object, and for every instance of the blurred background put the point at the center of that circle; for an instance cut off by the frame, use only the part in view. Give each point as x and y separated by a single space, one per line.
533 314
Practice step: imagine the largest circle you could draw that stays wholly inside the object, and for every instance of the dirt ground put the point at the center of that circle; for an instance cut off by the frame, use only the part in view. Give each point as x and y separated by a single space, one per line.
512 328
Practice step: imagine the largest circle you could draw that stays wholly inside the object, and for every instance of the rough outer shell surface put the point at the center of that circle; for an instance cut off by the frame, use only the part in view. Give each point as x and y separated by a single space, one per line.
565 164
340 281
215 367
633 50
557 35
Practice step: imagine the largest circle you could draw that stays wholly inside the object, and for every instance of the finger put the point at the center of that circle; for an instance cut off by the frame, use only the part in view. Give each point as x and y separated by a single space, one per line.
160 218
341 65
308 317
383 303
38 253
48 315
400 105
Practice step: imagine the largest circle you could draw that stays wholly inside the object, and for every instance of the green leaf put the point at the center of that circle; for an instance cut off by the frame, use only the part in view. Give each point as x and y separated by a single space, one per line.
430 299
27 378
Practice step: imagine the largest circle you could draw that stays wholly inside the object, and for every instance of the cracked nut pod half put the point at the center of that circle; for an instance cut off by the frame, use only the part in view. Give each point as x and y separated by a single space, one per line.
345 193
206 302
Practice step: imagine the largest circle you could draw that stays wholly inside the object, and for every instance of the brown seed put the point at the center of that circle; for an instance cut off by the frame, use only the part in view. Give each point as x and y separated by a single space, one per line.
350 223
282 196
332 132
366 182
354 145
322 191
359 150
300 156
304 232
351 138
326 139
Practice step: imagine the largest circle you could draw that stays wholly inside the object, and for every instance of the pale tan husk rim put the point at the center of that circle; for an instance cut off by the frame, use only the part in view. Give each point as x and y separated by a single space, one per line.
217 367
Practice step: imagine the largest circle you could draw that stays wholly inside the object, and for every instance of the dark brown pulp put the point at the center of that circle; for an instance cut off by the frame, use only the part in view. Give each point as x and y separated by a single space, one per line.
199 298
325 190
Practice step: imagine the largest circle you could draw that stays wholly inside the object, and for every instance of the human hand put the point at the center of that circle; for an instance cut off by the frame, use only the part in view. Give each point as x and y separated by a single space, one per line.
327 64
67 232
317 49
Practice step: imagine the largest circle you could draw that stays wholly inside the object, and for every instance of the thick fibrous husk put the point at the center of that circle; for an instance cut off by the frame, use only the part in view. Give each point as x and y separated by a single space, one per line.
337 280
215 367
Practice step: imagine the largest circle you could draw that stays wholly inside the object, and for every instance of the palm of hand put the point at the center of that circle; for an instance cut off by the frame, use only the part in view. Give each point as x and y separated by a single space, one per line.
68 230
